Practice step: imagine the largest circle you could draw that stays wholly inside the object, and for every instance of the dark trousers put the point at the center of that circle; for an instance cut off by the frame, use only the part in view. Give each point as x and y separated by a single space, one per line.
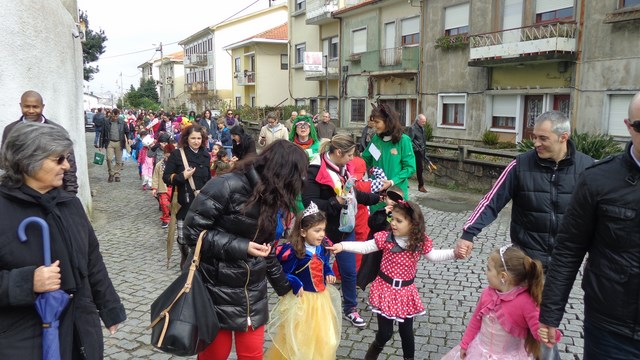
419 167
405 328
602 344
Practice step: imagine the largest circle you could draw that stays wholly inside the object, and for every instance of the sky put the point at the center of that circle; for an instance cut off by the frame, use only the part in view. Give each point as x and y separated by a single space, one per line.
135 28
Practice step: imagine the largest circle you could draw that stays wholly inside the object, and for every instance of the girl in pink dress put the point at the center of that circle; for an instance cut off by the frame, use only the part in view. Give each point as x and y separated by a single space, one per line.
505 323
393 294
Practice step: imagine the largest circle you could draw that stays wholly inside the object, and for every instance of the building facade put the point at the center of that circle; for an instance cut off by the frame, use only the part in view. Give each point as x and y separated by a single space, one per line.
168 73
260 67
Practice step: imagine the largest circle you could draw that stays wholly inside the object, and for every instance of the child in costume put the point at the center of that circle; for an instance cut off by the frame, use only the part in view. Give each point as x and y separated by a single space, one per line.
306 324
160 190
505 323
146 162
393 295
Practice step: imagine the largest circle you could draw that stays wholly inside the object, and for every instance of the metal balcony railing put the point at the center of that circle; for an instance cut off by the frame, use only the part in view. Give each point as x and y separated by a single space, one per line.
391 56
195 60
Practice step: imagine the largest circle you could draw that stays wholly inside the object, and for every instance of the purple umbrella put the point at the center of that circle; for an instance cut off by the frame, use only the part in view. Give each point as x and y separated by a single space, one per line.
50 304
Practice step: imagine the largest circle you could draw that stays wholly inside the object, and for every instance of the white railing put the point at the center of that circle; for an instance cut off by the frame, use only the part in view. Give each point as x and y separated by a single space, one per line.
390 57
317 8
554 37
195 59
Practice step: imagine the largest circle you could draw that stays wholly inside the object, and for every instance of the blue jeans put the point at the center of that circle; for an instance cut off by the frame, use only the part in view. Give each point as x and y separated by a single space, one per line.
603 344
96 140
347 266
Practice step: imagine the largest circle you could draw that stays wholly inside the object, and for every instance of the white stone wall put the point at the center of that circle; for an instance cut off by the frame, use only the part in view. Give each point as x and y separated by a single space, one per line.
39 52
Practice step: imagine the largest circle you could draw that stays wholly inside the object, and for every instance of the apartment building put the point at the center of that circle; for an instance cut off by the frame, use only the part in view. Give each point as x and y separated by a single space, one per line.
168 73
261 68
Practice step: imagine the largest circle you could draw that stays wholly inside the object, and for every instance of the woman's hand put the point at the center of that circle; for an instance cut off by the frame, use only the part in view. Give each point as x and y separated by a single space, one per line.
113 329
330 279
47 278
335 249
188 172
258 250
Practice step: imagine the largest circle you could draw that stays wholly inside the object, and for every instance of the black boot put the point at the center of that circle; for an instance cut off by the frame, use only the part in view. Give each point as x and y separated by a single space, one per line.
184 253
374 350
408 358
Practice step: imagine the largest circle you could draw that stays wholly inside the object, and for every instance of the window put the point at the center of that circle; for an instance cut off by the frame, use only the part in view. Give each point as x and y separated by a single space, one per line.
456 19
359 41
504 112
284 61
411 31
238 102
399 105
553 10
451 108
300 5
253 101
330 47
300 49
236 65
313 104
300 103
628 3
390 35
618 111
357 110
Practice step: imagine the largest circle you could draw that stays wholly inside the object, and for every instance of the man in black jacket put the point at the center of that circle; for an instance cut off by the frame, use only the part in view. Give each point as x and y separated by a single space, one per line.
32 105
115 135
603 219
418 140
98 124
540 183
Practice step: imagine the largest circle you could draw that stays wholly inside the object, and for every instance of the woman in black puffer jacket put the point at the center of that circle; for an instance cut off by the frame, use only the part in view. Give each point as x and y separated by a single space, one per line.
242 213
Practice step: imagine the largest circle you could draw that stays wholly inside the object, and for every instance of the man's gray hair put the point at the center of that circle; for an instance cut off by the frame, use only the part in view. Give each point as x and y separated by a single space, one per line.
26 148
560 123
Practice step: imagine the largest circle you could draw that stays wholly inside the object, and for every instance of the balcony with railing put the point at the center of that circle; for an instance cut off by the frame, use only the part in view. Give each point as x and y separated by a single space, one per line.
333 70
198 86
393 60
319 11
246 78
536 43
196 60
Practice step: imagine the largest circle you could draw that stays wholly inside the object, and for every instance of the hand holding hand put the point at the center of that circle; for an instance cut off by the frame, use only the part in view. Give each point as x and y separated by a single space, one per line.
154 192
335 249
547 335
463 249
330 279
47 278
258 250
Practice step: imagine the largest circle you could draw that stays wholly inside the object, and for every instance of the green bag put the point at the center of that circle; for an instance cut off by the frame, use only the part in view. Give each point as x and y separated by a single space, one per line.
98 158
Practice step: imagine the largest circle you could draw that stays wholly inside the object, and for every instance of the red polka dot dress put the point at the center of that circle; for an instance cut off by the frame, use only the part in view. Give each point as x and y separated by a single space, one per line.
403 302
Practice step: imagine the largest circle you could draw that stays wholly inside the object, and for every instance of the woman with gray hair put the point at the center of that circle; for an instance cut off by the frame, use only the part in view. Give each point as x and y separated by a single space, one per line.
34 158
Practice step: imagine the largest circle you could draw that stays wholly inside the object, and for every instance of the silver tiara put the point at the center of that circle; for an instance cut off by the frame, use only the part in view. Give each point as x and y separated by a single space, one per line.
310 210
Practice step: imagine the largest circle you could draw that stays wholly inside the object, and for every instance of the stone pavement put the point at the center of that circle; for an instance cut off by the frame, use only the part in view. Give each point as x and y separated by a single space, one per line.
126 220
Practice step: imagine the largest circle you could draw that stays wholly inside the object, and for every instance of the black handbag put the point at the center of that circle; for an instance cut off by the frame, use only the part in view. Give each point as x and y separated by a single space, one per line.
183 317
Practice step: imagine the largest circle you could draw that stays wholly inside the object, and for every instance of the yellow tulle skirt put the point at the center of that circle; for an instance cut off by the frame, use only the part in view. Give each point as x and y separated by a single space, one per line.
307 327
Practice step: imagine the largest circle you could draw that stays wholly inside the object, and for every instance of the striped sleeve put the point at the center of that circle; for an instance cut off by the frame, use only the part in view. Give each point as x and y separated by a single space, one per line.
492 203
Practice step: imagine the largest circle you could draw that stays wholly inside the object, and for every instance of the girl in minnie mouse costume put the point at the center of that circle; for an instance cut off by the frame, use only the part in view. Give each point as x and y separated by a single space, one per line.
306 324
393 294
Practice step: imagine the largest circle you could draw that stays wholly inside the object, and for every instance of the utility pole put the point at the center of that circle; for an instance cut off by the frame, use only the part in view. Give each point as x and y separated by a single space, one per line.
326 84
161 73
121 90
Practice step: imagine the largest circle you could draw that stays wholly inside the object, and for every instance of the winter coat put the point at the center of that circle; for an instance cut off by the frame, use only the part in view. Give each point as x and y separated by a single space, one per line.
603 220
236 281
173 175
245 147
123 132
70 178
94 297
272 134
540 190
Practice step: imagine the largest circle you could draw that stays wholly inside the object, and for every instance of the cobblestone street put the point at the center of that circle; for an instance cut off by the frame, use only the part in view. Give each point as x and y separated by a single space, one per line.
126 220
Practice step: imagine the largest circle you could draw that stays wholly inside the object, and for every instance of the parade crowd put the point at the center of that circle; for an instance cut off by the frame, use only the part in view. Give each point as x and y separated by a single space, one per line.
304 207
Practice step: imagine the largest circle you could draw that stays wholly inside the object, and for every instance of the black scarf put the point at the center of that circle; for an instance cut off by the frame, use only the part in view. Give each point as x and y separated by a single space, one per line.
62 247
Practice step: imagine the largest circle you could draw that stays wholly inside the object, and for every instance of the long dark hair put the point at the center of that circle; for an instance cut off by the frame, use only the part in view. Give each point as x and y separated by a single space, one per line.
281 166
411 211
304 223
391 120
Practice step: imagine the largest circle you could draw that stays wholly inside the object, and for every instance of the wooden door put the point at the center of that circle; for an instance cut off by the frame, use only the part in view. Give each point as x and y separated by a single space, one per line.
562 103
532 108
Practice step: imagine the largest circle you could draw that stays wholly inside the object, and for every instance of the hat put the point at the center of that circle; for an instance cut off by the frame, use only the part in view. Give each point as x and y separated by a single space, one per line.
236 130
164 138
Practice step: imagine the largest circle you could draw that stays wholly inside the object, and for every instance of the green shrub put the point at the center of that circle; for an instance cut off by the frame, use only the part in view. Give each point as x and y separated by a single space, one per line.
524 145
597 146
428 131
506 145
490 138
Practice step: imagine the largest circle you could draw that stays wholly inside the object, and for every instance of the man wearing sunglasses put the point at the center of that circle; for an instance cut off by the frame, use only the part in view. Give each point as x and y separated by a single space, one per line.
603 220
32 105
